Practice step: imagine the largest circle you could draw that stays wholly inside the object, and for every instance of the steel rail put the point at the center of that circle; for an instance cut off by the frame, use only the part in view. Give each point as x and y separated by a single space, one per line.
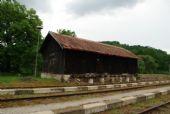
154 108
32 87
27 87
59 95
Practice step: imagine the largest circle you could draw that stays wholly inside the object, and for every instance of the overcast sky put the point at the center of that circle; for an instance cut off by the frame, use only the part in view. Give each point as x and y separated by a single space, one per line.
134 22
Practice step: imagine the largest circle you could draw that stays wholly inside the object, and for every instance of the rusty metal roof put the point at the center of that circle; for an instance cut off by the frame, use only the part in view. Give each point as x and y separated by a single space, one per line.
72 43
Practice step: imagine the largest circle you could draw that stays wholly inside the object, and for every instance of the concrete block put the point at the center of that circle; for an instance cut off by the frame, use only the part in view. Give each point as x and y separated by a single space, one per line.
45 75
42 90
92 87
134 84
150 83
124 79
43 112
147 83
107 78
94 107
117 85
157 94
109 86
83 88
142 83
7 91
163 92
70 89
70 110
156 82
65 78
123 85
168 91
120 79
134 79
102 87
167 81
149 95
129 84
57 77
116 78
113 79
127 79
24 91
140 98
90 81
102 80
113 103
57 90
128 100
49 75
162 82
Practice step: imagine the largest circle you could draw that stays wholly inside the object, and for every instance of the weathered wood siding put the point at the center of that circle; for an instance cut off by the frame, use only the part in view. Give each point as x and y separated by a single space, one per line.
79 62
84 62
53 57
63 61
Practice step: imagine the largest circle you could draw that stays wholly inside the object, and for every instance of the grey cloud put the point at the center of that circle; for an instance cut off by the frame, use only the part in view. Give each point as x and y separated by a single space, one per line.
83 7
39 5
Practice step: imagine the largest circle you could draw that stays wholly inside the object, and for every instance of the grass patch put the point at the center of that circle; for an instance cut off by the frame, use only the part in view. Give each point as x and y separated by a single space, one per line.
14 80
8 78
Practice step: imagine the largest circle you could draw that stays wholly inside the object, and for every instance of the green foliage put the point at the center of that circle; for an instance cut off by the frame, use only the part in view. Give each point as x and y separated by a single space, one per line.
12 78
152 60
18 37
141 66
66 32
6 78
150 64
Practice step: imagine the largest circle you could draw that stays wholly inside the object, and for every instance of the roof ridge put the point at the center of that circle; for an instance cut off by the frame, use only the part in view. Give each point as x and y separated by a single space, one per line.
108 47
76 38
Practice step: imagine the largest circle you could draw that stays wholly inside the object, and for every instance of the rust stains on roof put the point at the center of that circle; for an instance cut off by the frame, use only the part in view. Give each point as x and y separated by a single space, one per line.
72 43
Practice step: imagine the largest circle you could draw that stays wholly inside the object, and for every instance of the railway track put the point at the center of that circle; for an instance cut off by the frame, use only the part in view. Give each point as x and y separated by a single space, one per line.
59 95
32 87
163 108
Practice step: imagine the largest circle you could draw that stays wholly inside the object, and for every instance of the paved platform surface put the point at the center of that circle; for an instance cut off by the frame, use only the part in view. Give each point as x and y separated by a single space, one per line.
45 107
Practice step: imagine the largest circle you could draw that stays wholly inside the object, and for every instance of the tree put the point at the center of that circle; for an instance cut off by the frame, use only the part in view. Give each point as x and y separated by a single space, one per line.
141 66
67 32
18 37
150 63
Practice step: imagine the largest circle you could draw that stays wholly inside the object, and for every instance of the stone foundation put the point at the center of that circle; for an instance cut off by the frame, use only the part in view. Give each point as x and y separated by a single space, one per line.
102 80
92 78
112 79
59 77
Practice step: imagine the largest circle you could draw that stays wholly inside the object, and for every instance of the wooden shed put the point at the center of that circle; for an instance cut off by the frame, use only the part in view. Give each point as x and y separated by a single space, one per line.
69 55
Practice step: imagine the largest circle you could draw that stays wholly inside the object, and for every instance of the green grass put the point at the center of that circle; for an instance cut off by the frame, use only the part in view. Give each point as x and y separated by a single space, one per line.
8 78
14 80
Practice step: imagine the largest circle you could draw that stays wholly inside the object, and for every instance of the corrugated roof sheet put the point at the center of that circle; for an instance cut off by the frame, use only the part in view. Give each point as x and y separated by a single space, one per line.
72 43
